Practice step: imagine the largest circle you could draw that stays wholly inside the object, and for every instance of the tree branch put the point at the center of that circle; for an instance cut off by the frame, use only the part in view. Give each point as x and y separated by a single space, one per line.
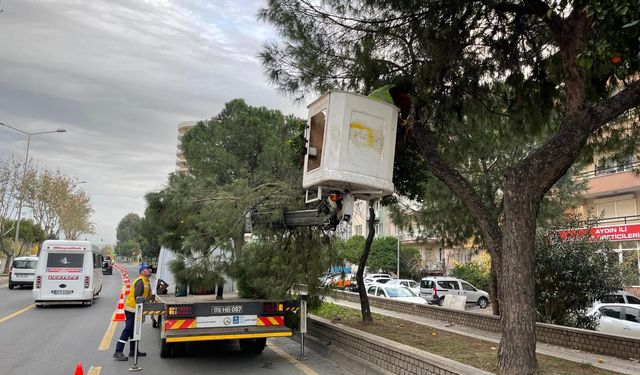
460 186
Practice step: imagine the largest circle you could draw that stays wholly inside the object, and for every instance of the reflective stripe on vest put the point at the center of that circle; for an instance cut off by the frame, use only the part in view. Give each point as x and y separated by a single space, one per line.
130 302
382 94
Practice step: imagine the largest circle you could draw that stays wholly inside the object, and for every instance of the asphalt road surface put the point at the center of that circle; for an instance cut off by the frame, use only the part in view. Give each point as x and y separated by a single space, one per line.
52 340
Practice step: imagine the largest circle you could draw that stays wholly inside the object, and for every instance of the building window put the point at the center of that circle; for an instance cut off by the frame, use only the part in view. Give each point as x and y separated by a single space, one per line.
616 206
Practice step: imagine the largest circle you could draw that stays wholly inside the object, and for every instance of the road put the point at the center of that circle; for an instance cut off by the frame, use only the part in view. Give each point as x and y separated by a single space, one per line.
51 340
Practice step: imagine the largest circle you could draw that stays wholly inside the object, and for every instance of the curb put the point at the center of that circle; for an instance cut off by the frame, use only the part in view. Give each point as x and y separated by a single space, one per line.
342 359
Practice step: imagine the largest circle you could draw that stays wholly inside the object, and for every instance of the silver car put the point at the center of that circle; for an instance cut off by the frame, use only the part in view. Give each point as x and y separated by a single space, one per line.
434 289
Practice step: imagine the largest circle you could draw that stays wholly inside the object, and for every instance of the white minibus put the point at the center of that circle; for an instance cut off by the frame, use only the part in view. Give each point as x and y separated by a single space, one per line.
68 272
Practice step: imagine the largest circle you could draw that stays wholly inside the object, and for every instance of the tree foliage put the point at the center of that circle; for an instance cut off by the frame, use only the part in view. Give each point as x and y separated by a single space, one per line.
476 272
50 197
571 274
128 248
530 82
246 161
128 228
10 181
383 256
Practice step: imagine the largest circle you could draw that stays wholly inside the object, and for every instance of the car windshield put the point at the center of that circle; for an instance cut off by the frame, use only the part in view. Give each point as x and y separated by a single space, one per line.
25 264
399 292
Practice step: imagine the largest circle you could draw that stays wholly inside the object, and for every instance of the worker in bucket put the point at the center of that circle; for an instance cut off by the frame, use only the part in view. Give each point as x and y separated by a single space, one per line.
396 94
142 289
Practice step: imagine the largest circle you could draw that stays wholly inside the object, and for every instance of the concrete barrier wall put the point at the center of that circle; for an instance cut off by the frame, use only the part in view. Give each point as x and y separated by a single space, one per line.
390 356
582 339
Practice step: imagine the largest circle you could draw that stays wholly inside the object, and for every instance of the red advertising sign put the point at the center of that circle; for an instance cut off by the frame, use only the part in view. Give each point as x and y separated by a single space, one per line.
65 270
62 277
628 232
57 247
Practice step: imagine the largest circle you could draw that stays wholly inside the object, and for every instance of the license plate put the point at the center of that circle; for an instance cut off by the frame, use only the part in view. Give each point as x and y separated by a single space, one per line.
21 275
228 309
62 292
226 321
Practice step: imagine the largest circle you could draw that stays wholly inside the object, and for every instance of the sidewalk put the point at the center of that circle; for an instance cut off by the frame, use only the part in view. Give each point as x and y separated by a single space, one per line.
608 363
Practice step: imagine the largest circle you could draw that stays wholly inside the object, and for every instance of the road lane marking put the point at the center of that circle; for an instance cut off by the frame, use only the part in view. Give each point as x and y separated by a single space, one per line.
94 370
2 320
108 335
290 359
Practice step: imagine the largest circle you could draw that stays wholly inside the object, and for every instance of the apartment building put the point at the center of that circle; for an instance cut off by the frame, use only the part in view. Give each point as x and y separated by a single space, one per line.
436 258
181 162
613 195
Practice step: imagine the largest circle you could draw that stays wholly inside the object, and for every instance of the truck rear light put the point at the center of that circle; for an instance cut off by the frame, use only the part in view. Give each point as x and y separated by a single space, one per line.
180 311
272 308
87 281
38 282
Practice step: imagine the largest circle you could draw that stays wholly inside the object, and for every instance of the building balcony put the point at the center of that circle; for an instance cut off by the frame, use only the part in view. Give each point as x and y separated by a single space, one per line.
609 181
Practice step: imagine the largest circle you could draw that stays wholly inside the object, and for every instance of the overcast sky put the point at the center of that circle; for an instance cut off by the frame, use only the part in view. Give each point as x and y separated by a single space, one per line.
119 75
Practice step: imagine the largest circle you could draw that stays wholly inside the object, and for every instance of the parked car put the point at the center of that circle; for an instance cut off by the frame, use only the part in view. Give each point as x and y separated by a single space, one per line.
617 318
620 297
398 293
23 271
337 280
370 278
107 267
435 288
407 283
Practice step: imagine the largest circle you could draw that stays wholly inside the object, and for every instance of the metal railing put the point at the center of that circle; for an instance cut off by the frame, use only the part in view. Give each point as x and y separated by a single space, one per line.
628 167
631 219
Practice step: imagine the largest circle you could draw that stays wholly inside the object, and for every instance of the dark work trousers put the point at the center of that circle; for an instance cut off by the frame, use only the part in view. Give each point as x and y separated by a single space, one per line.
127 333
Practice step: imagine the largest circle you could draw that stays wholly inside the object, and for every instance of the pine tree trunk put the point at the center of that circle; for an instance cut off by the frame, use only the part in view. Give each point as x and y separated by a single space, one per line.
364 299
493 288
518 344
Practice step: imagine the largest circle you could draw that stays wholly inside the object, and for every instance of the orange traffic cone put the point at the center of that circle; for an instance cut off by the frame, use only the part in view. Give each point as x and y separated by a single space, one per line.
119 315
79 370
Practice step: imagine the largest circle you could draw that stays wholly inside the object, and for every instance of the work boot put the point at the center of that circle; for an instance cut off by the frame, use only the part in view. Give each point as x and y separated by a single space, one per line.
120 356
140 354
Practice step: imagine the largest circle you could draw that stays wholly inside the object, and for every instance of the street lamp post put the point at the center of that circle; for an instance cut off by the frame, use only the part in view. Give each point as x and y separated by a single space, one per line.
398 263
24 171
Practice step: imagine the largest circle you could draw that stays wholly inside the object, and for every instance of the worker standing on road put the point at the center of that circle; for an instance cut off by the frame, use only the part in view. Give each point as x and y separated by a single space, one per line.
141 288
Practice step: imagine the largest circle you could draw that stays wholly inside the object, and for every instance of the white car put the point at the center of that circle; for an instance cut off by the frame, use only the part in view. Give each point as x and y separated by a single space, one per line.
23 271
407 283
395 293
435 288
618 319
371 278
619 297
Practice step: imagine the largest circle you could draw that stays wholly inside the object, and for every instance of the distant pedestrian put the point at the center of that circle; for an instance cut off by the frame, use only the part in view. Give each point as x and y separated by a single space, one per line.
142 289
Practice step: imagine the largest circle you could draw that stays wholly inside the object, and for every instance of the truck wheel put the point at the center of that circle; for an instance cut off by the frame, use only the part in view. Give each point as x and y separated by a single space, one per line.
11 286
441 301
166 349
253 346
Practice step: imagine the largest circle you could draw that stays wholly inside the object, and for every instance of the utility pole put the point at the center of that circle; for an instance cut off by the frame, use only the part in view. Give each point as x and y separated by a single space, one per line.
24 172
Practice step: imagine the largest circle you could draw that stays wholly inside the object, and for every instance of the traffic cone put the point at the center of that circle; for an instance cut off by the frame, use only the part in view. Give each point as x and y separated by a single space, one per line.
119 315
79 370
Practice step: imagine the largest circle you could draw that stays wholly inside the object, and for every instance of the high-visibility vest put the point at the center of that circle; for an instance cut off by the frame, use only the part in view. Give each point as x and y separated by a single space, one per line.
383 94
130 302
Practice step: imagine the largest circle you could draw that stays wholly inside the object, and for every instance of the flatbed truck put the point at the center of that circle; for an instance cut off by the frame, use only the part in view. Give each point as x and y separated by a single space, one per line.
196 318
